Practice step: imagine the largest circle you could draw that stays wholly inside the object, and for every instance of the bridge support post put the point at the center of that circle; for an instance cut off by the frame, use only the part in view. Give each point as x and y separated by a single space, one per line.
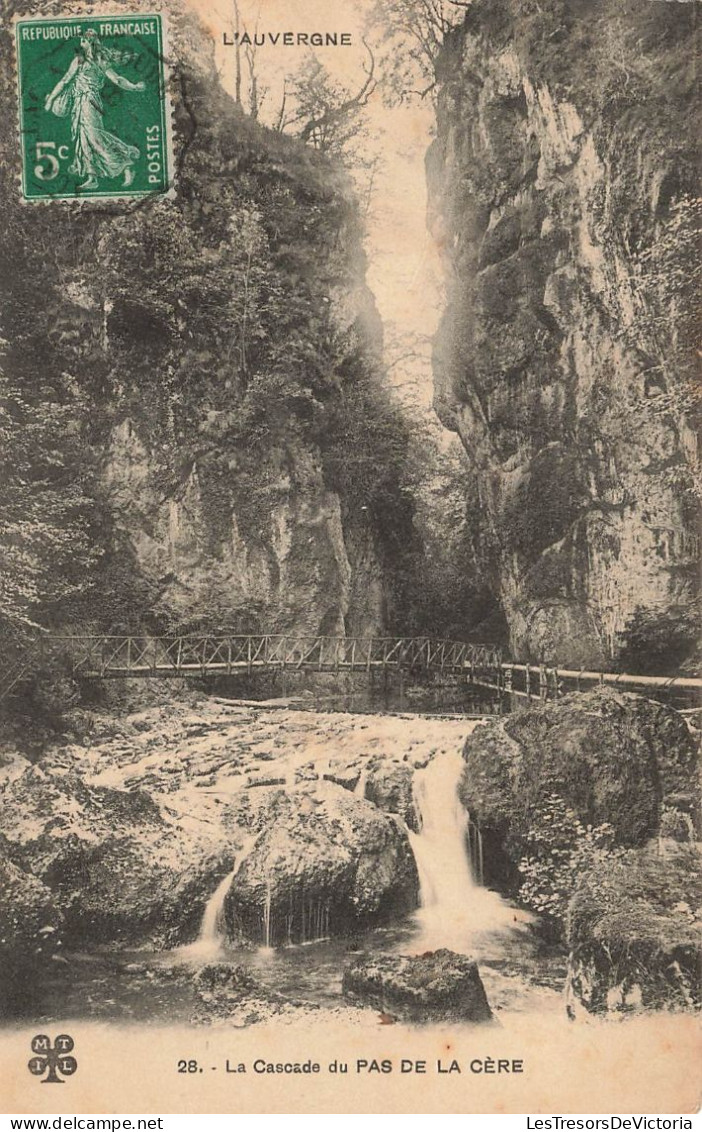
543 684
508 672
556 690
527 682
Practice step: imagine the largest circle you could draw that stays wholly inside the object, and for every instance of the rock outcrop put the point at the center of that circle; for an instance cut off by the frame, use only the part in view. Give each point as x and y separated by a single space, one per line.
228 992
221 353
30 930
604 759
389 787
324 863
598 751
589 809
560 185
117 867
439 986
634 933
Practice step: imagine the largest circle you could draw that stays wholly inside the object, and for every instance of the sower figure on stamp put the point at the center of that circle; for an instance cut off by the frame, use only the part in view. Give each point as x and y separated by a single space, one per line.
98 153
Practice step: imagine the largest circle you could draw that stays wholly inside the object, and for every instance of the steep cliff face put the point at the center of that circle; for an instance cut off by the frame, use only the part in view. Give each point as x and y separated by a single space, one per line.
559 187
220 352
247 531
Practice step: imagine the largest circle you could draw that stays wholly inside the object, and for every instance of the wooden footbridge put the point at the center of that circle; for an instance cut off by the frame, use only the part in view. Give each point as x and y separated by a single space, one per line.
103 657
106 657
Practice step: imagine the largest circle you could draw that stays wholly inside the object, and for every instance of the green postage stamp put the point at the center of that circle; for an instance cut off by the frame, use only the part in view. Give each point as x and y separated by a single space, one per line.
93 107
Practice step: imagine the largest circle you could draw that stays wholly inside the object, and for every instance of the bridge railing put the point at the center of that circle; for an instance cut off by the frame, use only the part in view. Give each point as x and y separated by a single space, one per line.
133 655
130 655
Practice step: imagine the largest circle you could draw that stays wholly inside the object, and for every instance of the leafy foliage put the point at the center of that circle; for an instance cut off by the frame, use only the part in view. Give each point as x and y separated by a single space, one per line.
45 551
452 585
558 850
634 921
657 641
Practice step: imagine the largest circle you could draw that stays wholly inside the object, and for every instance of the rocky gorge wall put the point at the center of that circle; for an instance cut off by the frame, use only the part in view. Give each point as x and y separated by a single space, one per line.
218 355
559 192
589 811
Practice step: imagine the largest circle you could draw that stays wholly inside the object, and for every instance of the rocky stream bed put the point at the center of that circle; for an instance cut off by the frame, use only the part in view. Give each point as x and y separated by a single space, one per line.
205 861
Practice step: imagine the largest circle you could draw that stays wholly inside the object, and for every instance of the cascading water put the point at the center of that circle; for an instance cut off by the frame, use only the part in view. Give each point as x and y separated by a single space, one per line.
475 845
267 917
360 787
209 942
454 908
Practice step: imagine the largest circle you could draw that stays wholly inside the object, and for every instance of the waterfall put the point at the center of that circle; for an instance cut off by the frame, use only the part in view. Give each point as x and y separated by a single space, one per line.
306 921
267 918
208 944
454 907
360 787
475 845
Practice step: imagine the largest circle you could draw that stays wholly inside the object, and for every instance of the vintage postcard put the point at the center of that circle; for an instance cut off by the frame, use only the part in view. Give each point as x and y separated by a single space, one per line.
349 557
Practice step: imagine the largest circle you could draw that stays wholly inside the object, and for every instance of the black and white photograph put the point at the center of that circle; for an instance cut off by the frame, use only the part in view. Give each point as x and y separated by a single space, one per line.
349 557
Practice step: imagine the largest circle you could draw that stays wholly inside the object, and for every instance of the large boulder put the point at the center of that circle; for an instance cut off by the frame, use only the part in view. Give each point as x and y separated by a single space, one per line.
606 757
389 787
30 927
438 986
121 869
324 863
634 933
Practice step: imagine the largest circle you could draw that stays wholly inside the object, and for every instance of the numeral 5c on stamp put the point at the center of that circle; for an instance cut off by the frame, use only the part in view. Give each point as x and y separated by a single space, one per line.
93 107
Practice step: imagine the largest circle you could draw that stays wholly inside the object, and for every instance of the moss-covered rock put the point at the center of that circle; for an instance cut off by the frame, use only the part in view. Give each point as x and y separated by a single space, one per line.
435 987
119 868
553 784
634 932
602 753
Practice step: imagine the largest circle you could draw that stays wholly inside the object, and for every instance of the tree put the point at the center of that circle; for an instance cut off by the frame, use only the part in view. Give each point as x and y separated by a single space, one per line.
327 114
412 34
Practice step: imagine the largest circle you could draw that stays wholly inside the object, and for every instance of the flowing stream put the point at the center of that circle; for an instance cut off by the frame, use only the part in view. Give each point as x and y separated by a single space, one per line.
522 974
